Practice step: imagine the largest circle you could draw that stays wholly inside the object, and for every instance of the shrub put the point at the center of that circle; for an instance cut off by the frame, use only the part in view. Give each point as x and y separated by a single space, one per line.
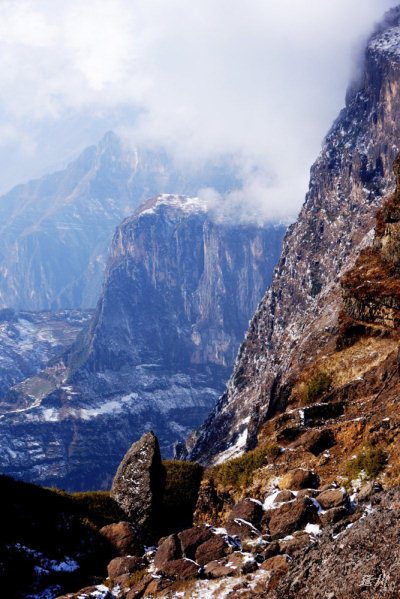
182 484
238 472
371 460
316 387
98 507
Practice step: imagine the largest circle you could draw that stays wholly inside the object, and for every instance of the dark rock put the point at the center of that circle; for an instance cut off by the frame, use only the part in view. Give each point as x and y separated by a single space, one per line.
181 569
271 549
299 479
169 550
123 538
124 565
213 549
332 498
192 538
138 483
293 516
242 529
248 510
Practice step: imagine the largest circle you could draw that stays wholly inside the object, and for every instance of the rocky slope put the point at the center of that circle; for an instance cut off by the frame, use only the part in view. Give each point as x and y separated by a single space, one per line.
55 231
297 319
30 340
179 291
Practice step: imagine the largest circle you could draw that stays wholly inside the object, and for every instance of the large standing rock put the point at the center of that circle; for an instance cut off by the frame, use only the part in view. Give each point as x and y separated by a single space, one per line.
138 484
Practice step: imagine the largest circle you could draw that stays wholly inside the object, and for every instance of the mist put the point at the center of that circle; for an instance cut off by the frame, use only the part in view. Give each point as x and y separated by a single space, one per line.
261 82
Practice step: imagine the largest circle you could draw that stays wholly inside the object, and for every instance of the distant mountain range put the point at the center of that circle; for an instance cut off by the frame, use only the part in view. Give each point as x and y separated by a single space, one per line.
55 231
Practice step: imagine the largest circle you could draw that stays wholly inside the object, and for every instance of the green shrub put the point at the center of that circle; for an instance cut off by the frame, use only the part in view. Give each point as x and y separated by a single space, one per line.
371 460
98 507
238 472
182 484
316 387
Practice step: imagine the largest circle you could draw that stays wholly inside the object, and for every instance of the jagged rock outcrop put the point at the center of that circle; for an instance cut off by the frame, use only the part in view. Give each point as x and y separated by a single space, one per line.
138 484
55 231
297 319
179 291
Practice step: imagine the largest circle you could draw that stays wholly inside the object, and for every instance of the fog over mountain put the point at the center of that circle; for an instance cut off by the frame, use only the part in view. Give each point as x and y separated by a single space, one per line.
260 81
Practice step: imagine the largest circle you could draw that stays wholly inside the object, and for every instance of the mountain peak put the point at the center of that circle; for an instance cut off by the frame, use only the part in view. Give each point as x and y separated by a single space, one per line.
185 204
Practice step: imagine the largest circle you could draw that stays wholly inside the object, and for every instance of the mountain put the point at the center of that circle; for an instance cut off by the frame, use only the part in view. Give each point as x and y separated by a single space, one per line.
297 319
29 340
179 290
55 231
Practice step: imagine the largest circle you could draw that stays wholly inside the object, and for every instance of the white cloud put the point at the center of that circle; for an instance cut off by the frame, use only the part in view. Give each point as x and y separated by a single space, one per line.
262 80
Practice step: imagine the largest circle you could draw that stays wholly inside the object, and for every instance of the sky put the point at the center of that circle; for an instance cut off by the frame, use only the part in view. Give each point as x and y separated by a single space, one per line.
258 80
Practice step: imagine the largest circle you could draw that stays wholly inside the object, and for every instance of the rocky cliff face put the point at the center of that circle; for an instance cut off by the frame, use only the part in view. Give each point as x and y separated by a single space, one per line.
297 318
178 293
55 231
29 341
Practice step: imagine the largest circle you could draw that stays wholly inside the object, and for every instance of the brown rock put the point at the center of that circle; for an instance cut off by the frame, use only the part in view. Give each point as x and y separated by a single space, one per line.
333 515
181 569
295 545
138 589
299 479
243 530
213 549
219 569
284 496
123 539
248 510
124 565
191 538
279 563
271 549
169 550
332 498
316 440
292 516
307 493
243 564
138 484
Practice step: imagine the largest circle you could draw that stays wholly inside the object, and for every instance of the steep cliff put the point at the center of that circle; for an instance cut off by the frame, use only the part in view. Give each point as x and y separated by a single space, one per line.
179 291
55 231
297 318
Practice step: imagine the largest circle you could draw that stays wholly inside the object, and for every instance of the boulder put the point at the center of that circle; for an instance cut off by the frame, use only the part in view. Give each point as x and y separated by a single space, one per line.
169 550
299 479
316 440
332 498
278 563
138 484
124 565
123 539
284 496
333 515
181 569
191 538
213 549
219 569
293 546
248 510
242 563
292 516
242 529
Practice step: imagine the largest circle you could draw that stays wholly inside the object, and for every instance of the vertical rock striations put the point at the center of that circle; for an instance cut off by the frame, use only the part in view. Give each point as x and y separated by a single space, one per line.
180 288
297 316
